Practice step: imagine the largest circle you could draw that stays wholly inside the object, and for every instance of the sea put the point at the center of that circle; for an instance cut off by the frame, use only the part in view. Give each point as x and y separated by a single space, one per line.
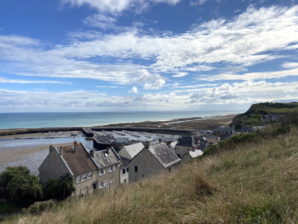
85 119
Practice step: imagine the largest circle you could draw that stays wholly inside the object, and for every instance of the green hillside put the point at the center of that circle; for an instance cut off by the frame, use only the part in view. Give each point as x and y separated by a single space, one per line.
255 114
249 182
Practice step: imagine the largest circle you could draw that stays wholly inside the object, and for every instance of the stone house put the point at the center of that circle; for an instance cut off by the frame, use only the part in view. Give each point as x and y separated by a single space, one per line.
72 159
108 165
152 160
89 170
127 153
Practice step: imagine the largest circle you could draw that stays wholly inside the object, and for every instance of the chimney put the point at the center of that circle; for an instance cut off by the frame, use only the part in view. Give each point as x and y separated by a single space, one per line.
75 146
91 153
51 148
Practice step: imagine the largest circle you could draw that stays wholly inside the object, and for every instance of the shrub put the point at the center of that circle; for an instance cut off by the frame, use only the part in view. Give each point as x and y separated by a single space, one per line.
19 186
59 188
40 206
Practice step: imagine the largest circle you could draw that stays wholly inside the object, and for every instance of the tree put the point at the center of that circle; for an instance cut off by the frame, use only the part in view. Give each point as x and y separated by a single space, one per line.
59 188
18 185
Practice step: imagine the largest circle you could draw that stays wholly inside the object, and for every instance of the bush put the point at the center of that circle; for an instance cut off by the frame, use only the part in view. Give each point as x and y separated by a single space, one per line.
19 186
59 188
40 206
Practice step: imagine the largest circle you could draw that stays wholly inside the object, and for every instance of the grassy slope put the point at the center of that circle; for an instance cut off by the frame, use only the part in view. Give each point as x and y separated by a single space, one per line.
253 183
253 116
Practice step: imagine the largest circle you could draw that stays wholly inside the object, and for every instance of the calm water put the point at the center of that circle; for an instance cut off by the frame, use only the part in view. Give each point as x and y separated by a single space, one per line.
38 120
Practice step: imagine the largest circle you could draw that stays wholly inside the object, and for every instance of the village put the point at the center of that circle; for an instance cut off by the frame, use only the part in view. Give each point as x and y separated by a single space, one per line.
122 156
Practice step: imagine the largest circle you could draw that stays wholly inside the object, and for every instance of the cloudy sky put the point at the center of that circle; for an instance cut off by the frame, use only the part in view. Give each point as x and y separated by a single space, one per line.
128 55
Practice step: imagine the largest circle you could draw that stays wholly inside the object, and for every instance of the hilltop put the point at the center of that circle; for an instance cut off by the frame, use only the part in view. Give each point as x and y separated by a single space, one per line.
264 113
249 182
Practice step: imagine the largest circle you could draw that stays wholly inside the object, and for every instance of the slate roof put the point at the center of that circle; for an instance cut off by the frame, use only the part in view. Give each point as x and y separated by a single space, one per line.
78 160
130 151
165 155
105 158
186 141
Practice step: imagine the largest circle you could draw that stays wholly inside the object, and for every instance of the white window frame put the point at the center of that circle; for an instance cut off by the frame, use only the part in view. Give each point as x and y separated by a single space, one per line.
102 185
111 168
89 175
78 179
101 172
84 177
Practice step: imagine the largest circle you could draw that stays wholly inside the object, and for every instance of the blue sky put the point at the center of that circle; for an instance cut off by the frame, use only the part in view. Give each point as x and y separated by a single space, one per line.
131 55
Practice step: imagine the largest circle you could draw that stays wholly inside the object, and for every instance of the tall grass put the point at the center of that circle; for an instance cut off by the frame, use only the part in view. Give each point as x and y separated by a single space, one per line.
253 183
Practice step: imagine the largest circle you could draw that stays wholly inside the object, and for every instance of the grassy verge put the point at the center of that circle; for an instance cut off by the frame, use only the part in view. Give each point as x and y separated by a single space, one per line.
256 182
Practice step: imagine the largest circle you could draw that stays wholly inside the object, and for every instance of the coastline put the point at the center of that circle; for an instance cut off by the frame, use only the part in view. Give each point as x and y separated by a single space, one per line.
179 124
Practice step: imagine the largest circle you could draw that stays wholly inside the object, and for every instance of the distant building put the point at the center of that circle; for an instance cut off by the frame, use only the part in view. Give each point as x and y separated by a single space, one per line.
72 159
185 143
205 141
155 159
251 129
272 117
224 131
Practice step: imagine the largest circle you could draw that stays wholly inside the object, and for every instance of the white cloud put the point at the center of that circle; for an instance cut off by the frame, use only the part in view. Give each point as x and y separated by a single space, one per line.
253 75
238 93
117 6
231 42
290 65
180 74
134 90
20 81
100 20
197 2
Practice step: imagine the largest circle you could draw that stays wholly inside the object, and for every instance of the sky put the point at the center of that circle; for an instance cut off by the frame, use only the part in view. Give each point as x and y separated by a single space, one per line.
147 55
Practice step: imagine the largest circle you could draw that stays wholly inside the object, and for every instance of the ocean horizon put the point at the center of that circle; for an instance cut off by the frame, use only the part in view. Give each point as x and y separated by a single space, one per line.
85 119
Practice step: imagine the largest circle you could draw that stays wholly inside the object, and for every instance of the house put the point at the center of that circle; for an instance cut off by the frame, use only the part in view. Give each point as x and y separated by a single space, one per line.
127 153
130 151
272 117
224 131
152 160
249 129
72 159
185 143
205 141
108 164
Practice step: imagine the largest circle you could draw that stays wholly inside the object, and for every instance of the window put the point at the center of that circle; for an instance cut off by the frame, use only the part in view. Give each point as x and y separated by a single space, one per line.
84 176
78 179
102 185
111 168
127 169
123 171
136 169
89 175
101 172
